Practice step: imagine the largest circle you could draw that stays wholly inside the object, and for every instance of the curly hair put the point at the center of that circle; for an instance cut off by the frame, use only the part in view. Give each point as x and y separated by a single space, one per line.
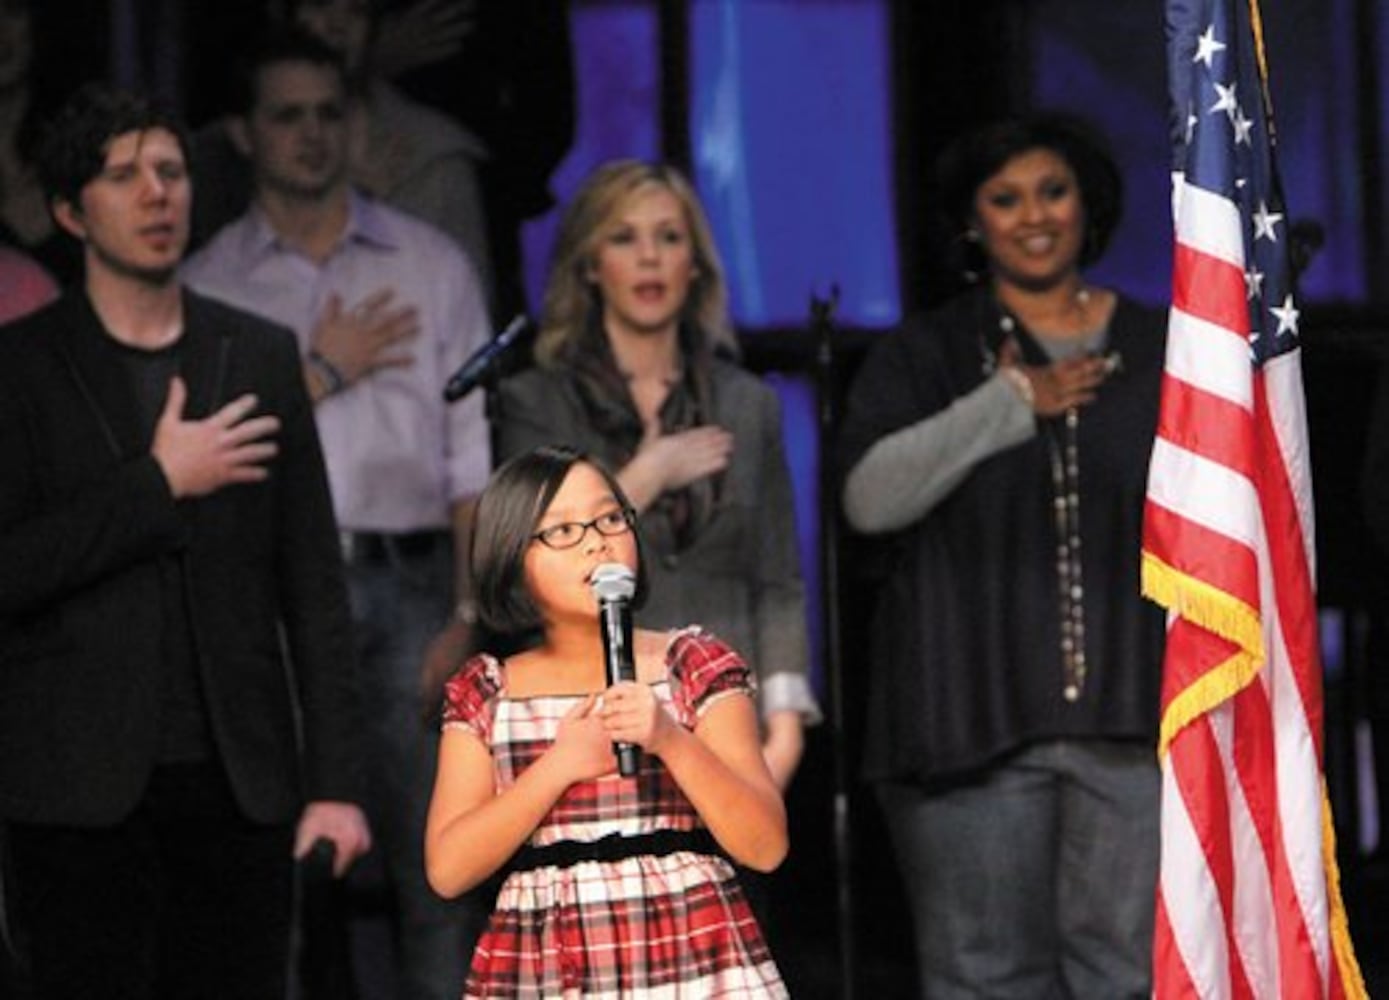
975 157
73 148
572 301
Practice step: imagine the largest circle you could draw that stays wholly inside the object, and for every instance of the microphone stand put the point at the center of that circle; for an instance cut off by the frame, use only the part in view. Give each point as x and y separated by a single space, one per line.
822 326
515 359
492 412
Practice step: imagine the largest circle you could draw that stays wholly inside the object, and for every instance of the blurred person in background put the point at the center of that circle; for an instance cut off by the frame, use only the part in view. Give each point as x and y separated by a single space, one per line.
386 308
25 221
179 701
1000 447
635 363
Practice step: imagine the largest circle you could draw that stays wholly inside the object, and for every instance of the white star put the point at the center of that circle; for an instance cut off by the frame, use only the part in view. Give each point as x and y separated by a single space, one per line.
1242 126
1191 121
1207 47
1254 279
1287 316
1264 221
1226 102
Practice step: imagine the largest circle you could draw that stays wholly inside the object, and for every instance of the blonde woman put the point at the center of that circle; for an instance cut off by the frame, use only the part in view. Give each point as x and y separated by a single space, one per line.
636 363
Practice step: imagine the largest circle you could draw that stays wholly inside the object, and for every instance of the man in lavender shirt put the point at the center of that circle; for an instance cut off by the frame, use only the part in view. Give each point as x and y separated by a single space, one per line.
386 308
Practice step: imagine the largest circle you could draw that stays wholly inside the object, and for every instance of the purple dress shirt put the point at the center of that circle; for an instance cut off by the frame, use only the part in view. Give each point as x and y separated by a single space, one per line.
397 455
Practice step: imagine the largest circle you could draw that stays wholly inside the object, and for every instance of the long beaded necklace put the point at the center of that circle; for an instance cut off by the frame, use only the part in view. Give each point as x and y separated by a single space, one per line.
1065 483
1063 452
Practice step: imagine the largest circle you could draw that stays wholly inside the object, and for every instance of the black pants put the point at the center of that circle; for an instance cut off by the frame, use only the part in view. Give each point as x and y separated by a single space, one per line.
186 899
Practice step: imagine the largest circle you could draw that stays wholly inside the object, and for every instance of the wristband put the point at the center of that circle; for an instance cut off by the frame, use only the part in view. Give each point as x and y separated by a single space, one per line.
333 382
1021 384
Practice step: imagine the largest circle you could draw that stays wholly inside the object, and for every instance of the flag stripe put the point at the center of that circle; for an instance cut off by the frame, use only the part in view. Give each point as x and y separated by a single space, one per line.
1195 799
1283 383
1297 614
1211 357
1252 757
1211 224
1169 956
1205 656
1205 492
1210 289
1209 426
1207 555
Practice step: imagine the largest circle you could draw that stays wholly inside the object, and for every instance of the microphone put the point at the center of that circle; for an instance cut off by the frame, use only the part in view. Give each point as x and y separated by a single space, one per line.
614 585
484 361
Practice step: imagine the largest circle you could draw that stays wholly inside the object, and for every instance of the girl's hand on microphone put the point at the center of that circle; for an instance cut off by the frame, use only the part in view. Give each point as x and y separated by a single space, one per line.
631 713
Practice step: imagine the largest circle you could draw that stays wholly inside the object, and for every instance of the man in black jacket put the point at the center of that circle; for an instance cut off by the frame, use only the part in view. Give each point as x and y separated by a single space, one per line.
177 694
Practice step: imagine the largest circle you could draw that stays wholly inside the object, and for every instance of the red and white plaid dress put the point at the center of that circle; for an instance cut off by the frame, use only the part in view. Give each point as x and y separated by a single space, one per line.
651 926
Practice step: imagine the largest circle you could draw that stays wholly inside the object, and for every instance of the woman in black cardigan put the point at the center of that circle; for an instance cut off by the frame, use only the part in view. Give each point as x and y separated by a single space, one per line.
1001 444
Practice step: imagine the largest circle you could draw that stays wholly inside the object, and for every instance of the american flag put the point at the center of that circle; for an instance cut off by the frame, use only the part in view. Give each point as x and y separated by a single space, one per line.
1248 898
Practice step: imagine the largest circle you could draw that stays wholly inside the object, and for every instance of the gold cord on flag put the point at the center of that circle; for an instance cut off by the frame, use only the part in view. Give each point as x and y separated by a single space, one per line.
1256 22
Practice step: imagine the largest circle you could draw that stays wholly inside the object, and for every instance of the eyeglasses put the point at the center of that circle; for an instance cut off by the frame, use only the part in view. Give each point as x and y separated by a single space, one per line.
568 534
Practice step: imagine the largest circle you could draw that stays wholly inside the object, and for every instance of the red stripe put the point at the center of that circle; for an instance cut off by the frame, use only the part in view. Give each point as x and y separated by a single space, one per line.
1210 289
1298 623
1201 552
1200 774
1207 425
1201 782
1336 989
1200 653
1256 768
1256 763
1171 980
1297 611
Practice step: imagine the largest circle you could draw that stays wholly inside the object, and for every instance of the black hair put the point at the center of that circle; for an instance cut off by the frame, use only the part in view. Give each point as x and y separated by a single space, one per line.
282 44
73 147
508 514
975 157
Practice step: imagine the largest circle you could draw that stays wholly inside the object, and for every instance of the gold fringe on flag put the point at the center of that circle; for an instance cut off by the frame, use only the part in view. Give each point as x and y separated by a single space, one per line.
1217 612
1342 950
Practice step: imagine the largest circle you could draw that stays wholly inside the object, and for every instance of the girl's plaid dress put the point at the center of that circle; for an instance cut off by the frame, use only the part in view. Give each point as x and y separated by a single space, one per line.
650 926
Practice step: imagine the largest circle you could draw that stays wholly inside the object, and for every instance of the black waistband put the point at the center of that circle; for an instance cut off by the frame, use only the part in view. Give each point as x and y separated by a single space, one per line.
379 547
614 847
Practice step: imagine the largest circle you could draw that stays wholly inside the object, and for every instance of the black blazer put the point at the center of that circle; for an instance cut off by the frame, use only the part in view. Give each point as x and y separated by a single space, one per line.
85 514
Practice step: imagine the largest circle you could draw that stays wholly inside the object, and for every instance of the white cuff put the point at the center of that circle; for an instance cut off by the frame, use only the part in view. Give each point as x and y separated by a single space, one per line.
788 692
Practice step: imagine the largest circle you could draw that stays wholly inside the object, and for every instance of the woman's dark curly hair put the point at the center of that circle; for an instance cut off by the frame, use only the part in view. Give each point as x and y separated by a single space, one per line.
975 157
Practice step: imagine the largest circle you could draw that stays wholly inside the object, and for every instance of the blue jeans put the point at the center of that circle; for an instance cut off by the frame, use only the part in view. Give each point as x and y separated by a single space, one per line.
1039 879
398 606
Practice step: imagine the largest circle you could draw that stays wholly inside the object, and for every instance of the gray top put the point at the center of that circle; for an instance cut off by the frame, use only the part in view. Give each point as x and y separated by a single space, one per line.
905 474
739 575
